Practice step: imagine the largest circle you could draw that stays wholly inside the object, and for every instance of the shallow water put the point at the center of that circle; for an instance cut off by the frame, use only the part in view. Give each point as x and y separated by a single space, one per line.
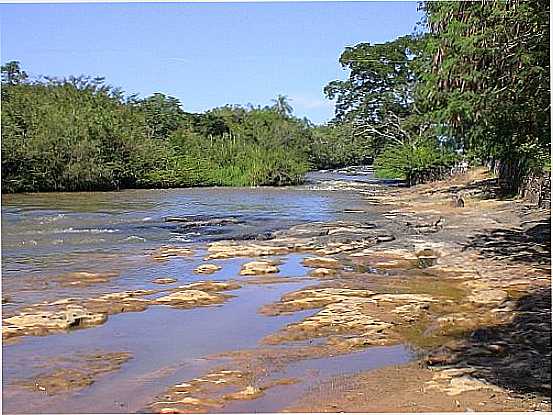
44 235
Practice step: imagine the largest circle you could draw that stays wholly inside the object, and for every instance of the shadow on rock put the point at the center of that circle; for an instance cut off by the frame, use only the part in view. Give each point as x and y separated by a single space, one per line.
515 356
532 245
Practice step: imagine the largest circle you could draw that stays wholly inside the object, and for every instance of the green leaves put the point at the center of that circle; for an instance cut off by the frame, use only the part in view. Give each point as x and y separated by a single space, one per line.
489 80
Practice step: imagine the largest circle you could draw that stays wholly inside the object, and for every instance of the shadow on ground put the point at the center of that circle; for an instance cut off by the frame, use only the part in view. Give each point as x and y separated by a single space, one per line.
481 189
514 356
531 245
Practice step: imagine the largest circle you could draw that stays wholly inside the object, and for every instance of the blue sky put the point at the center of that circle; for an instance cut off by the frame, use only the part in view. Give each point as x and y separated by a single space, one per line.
205 54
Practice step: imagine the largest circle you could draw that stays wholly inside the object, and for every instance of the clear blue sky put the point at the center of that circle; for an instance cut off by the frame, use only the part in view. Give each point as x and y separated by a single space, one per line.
205 54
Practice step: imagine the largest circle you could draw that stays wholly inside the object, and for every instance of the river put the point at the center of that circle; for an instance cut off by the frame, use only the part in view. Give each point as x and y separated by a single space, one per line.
45 235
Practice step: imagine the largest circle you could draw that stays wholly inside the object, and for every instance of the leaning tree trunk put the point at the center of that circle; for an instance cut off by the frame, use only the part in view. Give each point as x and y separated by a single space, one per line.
510 174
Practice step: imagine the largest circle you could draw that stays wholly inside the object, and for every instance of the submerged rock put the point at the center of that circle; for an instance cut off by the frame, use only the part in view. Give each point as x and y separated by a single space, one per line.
165 252
84 279
83 371
164 280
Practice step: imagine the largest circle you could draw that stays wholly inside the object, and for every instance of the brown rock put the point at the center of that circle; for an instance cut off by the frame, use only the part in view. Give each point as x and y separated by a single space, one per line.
164 280
207 269
258 268
322 262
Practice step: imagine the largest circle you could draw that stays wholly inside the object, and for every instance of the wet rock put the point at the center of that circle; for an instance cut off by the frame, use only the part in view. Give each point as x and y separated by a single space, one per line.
191 298
322 262
46 322
322 272
211 286
165 252
81 373
84 279
188 222
258 268
207 269
164 281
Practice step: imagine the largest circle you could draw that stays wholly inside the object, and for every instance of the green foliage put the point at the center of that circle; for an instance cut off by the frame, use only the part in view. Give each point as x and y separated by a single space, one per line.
487 78
402 160
81 134
476 81
163 115
74 134
378 95
227 161
335 146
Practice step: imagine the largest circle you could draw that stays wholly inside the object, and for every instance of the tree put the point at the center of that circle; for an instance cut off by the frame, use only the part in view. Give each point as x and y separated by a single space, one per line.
12 73
282 105
163 114
377 97
487 82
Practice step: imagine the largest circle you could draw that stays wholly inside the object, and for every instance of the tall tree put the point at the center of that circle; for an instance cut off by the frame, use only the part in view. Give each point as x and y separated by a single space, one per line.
488 80
282 105
377 97
163 114
12 73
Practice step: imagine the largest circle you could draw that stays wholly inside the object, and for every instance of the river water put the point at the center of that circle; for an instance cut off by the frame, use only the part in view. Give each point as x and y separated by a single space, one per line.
45 235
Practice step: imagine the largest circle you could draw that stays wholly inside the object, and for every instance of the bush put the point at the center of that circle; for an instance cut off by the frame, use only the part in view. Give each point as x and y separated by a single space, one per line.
403 160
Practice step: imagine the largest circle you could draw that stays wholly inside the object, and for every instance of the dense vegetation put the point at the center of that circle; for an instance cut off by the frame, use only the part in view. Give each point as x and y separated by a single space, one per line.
473 85
81 134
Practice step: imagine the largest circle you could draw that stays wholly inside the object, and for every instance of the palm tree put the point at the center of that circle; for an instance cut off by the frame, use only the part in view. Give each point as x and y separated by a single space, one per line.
282 105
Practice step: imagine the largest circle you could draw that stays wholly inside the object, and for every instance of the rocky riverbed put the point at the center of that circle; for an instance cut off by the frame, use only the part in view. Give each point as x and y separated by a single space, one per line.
427 306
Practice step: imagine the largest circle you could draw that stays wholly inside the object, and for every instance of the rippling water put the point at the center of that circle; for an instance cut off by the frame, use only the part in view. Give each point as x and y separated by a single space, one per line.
44 235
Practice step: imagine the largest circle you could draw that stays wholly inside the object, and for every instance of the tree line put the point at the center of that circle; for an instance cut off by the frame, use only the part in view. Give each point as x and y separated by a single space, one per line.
79 133
472 84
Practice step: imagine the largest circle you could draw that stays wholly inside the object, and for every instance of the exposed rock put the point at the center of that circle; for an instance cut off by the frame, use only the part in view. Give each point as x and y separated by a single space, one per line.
404 298
347 316
164 280
258 268
210 286
166 252
322 272
457 381
46 322
250 392
207 269
191 298
232 249
312 298
321 262
488 296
